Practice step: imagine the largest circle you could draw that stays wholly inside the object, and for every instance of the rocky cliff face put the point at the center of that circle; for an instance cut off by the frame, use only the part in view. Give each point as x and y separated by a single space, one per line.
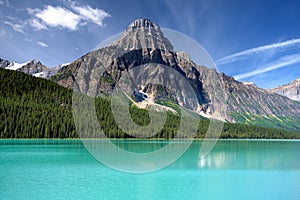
291 90
143 44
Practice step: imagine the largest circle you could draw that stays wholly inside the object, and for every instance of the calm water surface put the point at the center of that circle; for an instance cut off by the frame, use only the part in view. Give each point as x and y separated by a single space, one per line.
235 169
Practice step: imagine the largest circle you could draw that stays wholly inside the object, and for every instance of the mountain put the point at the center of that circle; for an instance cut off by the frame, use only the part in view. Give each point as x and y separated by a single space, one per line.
33 67
32 107
291 90
49 72
218 95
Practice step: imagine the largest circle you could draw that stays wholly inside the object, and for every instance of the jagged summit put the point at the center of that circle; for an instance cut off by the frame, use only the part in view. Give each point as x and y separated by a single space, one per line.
32 67
143 34
142 23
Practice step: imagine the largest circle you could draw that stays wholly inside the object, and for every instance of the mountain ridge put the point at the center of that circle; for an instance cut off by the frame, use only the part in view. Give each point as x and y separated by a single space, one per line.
32 107
143 43
238 102
290 90
33 67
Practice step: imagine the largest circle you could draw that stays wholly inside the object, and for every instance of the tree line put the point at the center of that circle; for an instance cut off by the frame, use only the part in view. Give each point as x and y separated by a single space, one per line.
33 107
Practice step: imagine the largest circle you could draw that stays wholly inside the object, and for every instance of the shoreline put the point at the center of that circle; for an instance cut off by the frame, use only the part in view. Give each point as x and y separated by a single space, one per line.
143 139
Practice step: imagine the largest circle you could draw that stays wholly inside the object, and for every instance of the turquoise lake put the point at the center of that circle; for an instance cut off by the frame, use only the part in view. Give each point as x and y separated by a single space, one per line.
235 169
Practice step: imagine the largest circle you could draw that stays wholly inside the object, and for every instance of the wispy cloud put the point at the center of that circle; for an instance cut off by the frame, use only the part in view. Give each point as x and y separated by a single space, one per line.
240 55
37 25
280 63
28 40
17 27
94 15
42 44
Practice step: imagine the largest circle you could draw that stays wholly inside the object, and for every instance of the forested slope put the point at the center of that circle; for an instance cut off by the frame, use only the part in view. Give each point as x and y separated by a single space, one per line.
32 107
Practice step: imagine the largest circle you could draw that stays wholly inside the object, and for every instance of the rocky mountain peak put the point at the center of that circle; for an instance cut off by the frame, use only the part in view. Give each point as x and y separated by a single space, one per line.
35 61
143 34
142 23
33 67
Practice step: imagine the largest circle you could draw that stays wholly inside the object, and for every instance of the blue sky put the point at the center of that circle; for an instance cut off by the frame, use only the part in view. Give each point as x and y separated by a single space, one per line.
254 41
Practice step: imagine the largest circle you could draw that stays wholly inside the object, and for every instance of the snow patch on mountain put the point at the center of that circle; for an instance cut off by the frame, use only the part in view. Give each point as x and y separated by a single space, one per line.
39 74
33 67
16 66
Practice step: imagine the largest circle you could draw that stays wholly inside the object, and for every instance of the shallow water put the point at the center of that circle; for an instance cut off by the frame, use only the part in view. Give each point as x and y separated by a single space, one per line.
235 169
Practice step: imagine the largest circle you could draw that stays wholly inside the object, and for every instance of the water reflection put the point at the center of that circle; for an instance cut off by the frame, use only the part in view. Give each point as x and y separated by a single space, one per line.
227 154
243 154
140 146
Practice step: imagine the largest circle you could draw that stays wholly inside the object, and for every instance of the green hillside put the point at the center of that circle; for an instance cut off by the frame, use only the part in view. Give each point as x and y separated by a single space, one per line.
290 123
32 107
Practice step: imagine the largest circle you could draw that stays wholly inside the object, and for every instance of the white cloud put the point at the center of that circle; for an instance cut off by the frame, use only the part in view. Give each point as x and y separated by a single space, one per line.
242 54
61 17
42 44
88 13
57 17
37 25
16 27
282 62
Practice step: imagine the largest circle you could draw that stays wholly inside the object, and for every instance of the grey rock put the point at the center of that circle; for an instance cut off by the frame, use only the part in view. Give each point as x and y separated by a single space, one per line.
33 67
291 90
4 63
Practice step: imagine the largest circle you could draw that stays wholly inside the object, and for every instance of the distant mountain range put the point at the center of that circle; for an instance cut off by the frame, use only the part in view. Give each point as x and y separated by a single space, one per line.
144 43
33 67
291 90
37 69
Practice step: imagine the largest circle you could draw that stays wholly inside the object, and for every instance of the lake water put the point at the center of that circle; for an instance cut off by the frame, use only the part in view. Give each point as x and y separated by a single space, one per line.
235 169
